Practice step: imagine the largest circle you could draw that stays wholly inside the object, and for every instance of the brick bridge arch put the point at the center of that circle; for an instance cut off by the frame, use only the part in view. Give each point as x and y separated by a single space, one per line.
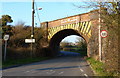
54 42
82 25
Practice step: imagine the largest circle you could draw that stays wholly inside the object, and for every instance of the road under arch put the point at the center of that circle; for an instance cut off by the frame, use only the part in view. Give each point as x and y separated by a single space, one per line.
54 43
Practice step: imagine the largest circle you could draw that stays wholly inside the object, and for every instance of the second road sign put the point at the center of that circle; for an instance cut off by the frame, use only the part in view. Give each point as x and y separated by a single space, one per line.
29 40
103 34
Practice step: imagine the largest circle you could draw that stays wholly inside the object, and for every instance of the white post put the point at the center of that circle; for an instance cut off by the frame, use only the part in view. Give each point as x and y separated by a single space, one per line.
100 52
5 50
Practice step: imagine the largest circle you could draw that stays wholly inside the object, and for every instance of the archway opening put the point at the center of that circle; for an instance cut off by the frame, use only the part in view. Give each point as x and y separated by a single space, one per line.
73 46
56 40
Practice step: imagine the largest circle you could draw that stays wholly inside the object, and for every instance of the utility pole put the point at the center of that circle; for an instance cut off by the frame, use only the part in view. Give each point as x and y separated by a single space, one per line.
32 28
33 11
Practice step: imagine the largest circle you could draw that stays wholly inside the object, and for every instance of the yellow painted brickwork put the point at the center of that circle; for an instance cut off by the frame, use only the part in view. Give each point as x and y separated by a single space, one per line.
82 27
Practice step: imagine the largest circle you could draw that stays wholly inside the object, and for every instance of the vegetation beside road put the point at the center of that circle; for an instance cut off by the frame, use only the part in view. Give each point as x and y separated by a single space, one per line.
19 52
98 68
14 62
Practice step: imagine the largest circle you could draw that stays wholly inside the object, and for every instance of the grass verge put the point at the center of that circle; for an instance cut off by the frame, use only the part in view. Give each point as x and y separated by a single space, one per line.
98 68
13 62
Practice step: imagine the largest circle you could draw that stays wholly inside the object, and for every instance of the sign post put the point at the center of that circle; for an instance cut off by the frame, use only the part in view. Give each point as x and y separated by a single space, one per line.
30 41
6 37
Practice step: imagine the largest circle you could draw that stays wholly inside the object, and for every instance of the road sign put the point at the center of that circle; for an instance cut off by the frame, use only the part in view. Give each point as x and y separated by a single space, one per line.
29 40
6 37
103 34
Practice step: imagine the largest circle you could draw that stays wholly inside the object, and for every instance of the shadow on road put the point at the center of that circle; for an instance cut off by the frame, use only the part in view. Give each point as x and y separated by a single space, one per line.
54 68
66 67
63 57
67 53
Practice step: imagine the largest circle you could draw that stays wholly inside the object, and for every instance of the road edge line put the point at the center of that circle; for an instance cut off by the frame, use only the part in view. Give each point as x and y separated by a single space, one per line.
91 68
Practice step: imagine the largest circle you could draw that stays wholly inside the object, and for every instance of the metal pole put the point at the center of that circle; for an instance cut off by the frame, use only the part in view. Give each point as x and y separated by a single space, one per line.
5 50
100 52
32 28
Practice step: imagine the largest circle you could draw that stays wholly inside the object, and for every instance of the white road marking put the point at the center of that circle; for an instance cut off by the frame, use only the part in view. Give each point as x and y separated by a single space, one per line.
47 72
51 70
61 72
81 70
28 71
86 75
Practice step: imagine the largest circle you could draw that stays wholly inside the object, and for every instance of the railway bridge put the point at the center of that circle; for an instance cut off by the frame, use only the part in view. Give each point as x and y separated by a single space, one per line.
85 25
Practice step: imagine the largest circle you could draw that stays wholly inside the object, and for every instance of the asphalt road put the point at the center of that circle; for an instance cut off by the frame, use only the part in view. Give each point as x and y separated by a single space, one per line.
67 64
